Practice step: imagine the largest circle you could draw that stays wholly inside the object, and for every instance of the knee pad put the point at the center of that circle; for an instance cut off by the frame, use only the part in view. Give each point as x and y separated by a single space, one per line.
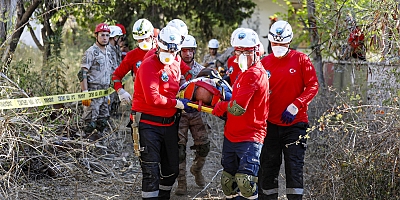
182 152
202 149
227 181
101 124
90 126
247 184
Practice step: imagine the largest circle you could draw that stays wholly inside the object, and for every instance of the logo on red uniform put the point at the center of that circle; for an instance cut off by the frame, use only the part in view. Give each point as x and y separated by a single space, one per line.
164 76
138 64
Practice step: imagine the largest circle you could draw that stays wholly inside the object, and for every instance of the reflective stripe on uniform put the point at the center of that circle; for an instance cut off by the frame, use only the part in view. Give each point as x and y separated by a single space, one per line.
294 190
149 194
250 197
270 191
232 196
165 187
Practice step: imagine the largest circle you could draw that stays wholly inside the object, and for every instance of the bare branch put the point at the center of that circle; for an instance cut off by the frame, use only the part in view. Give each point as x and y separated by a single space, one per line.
37 42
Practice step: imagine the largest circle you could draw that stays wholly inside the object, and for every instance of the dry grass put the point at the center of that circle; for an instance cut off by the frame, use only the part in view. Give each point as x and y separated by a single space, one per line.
353 151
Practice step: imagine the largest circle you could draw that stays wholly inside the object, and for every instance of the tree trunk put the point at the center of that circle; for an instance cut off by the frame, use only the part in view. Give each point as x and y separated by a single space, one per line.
22 19
7 11
315 43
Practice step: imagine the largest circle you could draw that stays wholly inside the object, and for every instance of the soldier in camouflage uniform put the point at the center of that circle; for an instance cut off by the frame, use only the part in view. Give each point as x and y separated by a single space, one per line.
210 59
196 124
116 56
95 75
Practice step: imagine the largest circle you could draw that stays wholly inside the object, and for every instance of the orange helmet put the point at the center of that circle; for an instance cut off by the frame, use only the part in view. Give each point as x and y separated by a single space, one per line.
102 27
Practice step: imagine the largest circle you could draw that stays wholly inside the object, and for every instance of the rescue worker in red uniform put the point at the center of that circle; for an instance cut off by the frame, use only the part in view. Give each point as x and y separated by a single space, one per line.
193 122
233 67
293 84
143 34
186 71
246 124
156 111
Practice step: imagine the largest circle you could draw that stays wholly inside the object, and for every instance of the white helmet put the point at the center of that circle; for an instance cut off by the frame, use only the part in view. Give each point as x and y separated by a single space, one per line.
114 31
280 32
142 29
234 33
189 42
245 38
170 39
180 25
213 44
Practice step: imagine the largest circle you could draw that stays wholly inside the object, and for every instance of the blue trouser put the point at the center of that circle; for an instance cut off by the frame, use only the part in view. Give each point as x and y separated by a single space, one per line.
282 139
159 159
241 157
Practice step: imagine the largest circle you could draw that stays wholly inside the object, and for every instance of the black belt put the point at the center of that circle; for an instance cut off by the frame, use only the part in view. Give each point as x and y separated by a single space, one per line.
161 120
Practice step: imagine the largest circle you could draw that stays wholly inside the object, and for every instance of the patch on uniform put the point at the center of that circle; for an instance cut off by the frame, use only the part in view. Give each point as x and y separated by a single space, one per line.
138 64
84 59
230 70
96 52
172 37
237 85
292 71
164 76
268 74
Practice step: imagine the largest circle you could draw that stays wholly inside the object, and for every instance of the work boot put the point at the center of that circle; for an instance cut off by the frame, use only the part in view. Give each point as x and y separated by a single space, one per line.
93 137
196 168
182 187
182 184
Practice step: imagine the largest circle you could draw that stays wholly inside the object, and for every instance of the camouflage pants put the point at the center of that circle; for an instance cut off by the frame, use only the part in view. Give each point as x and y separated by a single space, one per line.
199 130
114 103
98 107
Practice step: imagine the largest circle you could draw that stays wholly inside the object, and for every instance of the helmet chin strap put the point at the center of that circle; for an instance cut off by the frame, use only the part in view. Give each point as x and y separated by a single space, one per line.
97 40
254 57
116 41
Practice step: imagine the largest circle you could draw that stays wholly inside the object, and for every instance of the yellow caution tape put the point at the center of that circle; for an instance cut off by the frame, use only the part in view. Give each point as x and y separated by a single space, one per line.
203 108
50 100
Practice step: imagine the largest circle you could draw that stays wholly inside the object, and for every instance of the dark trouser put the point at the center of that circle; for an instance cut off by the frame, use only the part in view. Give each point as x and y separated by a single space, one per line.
241 157
159 159
283 139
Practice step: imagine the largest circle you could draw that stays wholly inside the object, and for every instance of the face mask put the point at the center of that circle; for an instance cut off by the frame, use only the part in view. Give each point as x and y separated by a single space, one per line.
279 51
145 45
242 62
167 58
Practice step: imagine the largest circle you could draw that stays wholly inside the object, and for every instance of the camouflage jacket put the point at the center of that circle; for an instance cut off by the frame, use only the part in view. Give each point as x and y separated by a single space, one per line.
116 56
195 69
99 65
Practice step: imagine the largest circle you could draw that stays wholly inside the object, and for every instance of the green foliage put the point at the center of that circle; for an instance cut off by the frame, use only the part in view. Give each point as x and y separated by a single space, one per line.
204 15
376 19
27 79
55 69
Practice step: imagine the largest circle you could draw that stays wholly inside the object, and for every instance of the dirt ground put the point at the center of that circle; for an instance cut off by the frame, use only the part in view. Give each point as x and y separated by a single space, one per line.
111 171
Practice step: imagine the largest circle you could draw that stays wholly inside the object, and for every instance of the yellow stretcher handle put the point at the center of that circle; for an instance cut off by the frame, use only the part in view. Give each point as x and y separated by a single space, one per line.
203 108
